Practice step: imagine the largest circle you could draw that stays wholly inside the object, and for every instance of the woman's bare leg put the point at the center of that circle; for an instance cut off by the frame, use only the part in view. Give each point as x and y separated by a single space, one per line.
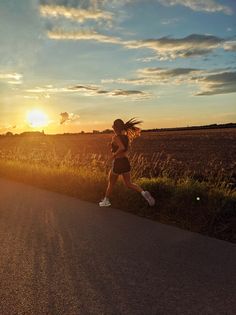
129 184
145 194
112 179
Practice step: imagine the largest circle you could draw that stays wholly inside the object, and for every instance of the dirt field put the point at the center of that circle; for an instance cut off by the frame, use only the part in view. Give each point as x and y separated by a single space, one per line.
201 152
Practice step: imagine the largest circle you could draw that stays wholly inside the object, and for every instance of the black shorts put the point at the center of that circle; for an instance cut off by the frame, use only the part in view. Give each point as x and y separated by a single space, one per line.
121 165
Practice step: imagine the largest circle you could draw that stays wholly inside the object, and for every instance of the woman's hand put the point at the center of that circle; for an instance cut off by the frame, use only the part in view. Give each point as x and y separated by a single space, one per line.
112 157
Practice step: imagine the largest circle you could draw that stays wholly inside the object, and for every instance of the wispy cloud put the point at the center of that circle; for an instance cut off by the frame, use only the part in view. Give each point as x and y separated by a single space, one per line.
163 73
60 34
129 93
165 48
135 94
75 14
11 78
157 76
221 83
230 45
49 89
211 6
211 82
93 90
200 5
172 48
14 76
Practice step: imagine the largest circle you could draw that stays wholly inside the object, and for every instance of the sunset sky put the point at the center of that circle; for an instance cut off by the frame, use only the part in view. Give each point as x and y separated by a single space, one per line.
70 65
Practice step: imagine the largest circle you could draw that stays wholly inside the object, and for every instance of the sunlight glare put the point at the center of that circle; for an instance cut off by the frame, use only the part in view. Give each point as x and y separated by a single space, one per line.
37 118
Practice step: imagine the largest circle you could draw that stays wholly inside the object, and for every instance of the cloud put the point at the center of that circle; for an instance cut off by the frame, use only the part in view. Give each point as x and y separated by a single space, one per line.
14 76
211 82
211 6
164 73
49 89
64 117
132 81
68 117
157 76
76 14
172 48
134 94
138 95
93 90
230 45
60 34
87 90
165 48
101 13
11 78
221 83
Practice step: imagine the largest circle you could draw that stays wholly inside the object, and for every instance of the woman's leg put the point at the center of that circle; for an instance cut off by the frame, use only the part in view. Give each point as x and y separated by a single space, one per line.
129 184
112 179
145 194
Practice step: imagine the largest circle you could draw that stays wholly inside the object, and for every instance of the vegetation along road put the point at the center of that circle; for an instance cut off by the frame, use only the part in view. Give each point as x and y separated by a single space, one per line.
60 255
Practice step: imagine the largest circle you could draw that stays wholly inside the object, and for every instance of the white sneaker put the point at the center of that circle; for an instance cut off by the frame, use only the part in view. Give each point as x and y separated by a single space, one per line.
105 203
151 201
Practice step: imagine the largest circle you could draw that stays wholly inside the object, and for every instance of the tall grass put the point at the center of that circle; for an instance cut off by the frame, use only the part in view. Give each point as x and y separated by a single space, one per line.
204 204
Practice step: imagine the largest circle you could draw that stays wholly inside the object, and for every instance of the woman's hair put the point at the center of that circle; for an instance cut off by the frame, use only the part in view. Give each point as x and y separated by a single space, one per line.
130 127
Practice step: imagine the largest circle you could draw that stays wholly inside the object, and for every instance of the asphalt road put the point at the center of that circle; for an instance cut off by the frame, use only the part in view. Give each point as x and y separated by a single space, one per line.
60 255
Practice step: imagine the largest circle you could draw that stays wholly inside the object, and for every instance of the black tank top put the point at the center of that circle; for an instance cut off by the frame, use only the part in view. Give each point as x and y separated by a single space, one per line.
124 139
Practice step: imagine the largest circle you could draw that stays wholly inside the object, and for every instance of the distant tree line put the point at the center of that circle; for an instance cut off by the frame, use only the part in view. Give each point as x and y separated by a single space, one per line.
108 131
212 126
25 133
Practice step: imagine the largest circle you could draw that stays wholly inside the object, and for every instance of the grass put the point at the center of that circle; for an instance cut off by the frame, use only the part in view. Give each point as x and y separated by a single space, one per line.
207 207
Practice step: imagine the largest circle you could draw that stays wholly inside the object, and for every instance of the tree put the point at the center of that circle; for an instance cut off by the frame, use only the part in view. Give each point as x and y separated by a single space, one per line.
107 131
9 134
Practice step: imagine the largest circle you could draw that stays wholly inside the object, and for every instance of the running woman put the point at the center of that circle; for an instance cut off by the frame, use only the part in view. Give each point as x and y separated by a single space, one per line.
124 134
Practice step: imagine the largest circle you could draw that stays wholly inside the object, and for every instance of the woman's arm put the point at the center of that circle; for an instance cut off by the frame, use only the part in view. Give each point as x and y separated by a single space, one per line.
121 147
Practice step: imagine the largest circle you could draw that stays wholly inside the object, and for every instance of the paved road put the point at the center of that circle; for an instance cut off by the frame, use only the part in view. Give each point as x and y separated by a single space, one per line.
60 255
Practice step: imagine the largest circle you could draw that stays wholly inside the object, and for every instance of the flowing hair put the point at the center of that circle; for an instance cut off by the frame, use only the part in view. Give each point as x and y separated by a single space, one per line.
131 128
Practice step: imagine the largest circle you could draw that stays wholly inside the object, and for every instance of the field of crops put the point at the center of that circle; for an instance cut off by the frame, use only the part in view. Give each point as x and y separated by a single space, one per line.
191 174
201 154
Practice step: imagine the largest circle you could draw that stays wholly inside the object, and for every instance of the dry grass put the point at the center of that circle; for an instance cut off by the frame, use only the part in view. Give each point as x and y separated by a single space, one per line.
78 166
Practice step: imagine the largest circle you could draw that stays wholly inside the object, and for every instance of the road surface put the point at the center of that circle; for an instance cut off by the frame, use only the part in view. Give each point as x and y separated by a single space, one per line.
63 256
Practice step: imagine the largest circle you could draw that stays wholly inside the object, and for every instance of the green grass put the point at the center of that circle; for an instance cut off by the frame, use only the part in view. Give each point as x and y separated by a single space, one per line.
184 202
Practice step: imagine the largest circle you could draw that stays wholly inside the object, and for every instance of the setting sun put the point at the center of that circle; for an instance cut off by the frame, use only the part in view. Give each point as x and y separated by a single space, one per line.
37 118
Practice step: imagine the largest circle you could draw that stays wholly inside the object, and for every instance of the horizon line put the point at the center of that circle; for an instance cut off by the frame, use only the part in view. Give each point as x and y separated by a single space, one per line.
104 131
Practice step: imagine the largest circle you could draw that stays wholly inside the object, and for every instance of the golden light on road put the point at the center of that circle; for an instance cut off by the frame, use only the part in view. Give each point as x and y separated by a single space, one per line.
37 118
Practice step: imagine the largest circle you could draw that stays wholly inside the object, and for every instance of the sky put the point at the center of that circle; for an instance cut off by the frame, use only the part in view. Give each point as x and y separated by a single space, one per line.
73 65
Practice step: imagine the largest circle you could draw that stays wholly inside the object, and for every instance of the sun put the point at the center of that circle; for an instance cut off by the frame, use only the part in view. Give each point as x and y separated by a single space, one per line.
37 118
